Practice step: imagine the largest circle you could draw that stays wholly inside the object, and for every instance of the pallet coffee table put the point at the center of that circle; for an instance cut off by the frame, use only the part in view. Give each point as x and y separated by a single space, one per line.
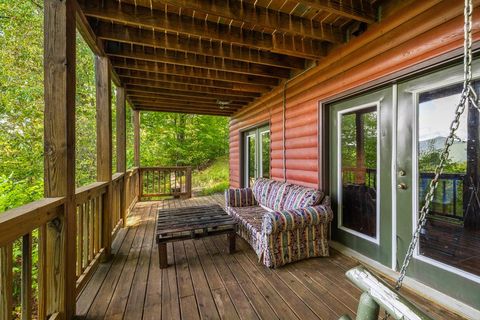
177 224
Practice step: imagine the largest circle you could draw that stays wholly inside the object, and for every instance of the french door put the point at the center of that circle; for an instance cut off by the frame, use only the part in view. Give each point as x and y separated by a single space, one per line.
360 173
448 254
256 152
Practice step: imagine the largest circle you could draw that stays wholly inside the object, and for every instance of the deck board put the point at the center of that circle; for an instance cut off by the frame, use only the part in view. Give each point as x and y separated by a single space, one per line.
203 281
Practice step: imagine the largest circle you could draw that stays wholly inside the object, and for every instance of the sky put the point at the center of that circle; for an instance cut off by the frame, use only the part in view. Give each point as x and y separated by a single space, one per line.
436 115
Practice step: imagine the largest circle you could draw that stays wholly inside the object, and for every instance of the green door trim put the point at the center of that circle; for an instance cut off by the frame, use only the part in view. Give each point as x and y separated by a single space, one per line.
380 251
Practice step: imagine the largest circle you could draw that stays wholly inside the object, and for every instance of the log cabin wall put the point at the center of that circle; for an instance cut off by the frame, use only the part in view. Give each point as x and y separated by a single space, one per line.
416 35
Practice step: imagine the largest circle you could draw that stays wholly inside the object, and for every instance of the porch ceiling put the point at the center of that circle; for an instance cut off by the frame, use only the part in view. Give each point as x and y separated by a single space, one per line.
214 57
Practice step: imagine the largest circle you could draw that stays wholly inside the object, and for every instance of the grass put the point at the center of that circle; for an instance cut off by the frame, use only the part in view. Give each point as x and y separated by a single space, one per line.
213 179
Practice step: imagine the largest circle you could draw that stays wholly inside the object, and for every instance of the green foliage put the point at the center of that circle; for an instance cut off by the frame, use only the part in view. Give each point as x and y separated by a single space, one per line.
349 143
181 139
214 178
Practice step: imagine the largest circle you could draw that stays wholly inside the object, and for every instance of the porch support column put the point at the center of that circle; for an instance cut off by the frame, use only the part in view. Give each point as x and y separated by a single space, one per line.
121 147
470 199
58 270
104 144
136 138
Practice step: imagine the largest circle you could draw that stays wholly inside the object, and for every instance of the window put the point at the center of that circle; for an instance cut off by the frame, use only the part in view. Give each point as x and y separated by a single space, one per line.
358 158
256 154
452 231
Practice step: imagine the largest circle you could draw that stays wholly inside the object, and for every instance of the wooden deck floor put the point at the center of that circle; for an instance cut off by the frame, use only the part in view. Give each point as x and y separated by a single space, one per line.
204 282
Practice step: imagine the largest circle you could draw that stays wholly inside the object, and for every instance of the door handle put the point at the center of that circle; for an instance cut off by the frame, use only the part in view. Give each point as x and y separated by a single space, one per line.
402 186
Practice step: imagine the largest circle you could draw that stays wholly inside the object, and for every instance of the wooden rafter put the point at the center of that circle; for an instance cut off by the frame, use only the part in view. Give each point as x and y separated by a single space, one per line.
134 96
213 112
169 92
193 60
359 11
163 68
131 74
146 37
159 20
192 102
188 87
245 12
186 105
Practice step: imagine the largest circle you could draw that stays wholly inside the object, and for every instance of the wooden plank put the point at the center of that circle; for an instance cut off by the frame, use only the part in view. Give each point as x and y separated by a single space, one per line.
188 87
254 15
104 146
130 74
119 300
361 11
194 60
187 93
6 282
181 102
26 288
137 16
127 35
16 222
186 294
136 299
136 141
121 129
171 69
59 155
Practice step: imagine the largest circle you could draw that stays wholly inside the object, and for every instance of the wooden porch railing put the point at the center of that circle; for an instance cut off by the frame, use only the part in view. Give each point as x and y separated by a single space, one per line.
19 227
165 181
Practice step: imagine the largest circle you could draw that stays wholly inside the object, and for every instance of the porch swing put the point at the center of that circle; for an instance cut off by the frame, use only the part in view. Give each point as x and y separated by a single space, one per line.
376 292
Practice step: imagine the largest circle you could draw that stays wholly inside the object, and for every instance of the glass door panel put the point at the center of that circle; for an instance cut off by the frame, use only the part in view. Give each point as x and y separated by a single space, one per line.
265 154
447 256
256 155
360 161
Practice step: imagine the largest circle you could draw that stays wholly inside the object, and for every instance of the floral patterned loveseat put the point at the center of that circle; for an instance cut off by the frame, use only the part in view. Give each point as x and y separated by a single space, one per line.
282 222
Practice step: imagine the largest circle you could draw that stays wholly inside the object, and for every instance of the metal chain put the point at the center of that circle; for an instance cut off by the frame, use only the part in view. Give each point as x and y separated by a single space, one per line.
468 96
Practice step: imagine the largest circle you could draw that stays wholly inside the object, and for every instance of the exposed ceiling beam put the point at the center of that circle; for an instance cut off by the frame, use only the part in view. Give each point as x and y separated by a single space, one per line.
131 74
182 102
112 11
183 99
187 87
189 106
359 10
169 92
162 68
193 60
211 112
245 12
131 35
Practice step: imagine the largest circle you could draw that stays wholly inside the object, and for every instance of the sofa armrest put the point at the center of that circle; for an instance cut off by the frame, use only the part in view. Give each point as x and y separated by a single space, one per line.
284 220
241 197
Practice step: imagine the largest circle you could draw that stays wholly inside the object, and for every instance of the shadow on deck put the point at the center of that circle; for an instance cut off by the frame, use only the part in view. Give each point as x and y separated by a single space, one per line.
204 281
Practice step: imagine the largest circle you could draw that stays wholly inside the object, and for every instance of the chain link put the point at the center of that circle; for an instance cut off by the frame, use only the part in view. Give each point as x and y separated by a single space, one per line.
468 97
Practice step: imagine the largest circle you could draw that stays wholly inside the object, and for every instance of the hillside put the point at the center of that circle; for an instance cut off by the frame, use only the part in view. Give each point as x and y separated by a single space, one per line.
212 179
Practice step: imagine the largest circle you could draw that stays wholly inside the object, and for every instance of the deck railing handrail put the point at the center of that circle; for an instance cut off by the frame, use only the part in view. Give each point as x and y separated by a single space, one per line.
19 224
163 181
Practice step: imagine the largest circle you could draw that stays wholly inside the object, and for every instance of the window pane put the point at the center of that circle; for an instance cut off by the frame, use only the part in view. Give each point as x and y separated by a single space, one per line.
359 166
451 234
251 160
265 136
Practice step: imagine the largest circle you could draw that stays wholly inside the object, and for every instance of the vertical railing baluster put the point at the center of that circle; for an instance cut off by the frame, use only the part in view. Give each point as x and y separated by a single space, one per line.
26 289
91 253
42 272
6 282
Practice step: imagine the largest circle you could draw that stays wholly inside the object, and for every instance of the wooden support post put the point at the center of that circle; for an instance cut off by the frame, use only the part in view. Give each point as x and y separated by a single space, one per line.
6 283
104 145
122 148
59 155
136 138
188 182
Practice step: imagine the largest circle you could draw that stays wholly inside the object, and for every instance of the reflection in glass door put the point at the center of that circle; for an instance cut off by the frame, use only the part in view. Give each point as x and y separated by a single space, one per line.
256 155
360 162
447 256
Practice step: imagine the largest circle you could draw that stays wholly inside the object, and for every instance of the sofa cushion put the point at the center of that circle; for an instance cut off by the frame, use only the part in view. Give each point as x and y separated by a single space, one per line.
301 197
276 195
239 197
260 189
250 225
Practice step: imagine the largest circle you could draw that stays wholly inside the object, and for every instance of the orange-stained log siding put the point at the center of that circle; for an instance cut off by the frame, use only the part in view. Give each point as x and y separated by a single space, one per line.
414 34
